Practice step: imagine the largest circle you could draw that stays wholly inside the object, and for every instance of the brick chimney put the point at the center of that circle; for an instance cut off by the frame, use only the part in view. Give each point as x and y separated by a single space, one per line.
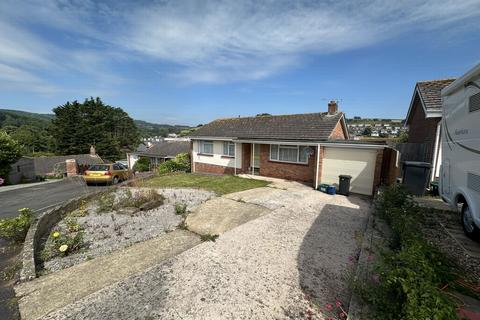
332 107
93 152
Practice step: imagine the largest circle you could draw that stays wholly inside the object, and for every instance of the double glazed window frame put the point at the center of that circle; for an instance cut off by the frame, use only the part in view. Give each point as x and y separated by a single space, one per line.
275 153
203 144
228 149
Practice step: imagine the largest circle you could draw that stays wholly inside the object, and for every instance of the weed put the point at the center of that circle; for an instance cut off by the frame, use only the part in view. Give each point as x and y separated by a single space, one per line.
209 237
106 202
180 208
73 225
9 272
62 245
183 225
15 229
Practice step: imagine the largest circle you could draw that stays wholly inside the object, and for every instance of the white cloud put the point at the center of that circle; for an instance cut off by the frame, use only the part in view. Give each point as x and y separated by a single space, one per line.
218 41
208 41
15 78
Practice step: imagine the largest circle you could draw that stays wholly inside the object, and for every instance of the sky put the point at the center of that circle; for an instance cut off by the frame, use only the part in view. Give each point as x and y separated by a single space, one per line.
190 62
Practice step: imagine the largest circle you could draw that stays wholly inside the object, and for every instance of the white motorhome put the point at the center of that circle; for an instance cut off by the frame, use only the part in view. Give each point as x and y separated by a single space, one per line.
460 172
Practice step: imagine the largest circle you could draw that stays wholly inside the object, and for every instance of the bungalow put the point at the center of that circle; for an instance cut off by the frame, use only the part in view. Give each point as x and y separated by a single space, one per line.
158 152
423 122
311 148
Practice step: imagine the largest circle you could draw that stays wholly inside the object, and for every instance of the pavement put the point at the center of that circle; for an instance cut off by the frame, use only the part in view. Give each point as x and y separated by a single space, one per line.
42 196
280 262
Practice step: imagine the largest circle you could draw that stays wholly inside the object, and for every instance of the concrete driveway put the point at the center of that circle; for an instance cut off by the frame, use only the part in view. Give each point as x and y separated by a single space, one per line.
262 269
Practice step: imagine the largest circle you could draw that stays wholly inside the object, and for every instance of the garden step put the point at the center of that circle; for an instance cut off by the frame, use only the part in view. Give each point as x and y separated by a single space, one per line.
43 295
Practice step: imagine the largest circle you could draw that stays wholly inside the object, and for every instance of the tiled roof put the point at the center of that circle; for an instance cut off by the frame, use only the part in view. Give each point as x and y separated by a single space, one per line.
167 149
430 92
46 165
308 126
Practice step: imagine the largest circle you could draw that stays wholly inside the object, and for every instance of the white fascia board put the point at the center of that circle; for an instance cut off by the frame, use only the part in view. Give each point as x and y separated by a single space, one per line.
315 143
213 138
352 145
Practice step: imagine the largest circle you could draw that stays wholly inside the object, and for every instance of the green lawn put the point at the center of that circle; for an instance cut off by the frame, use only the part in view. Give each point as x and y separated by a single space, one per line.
218 184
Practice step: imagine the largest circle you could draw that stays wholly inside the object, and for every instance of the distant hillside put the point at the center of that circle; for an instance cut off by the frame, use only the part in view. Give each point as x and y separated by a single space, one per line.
148 129
20 118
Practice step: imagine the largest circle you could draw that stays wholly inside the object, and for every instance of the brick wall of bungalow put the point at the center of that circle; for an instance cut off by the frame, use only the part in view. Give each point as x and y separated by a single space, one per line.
290 171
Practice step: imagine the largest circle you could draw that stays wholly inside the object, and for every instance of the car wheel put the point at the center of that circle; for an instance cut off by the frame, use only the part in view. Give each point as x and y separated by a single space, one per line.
469 226
115 180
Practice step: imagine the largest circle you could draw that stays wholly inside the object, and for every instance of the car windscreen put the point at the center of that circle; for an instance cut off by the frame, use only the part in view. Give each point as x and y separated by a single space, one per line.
99 167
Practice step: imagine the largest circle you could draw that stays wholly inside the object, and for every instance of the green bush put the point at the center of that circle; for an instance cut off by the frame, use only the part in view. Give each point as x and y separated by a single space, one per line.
181 163
411 272
142 165
15 229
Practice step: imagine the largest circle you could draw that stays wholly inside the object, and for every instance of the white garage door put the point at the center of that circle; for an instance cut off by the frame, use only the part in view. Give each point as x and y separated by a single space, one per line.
358 163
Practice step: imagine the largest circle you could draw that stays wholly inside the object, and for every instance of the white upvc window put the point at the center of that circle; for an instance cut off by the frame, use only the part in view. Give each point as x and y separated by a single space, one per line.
288 153
206 147
229 148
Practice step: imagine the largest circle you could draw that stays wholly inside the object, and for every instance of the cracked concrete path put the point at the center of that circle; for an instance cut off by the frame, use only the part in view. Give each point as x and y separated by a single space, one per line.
221 214
261 269
50 292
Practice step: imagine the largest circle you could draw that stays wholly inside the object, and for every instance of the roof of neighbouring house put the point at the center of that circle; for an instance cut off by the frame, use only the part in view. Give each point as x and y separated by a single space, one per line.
429 93
307 126
46 165
167 149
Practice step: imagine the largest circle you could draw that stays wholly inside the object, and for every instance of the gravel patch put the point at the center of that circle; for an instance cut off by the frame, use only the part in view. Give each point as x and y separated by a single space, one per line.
450 244
109 231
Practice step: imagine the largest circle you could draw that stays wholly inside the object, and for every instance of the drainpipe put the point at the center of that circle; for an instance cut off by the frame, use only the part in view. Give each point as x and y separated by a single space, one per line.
318 165
253 159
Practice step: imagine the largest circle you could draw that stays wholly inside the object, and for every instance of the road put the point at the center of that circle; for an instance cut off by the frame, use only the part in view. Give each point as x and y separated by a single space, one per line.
41 197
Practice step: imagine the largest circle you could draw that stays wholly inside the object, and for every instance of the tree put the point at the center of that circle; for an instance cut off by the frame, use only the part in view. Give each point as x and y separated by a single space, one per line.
33 139
77 126
10 152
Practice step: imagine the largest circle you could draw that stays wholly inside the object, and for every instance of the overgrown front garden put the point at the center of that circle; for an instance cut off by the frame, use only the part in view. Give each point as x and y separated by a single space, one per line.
411 277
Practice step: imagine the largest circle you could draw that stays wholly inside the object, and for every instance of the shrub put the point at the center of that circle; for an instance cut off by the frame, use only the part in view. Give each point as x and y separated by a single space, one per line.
15 229
168 167
142 165
412 272
181 163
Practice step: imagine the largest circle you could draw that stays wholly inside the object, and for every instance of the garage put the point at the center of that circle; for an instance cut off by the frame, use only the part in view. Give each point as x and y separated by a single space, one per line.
356 162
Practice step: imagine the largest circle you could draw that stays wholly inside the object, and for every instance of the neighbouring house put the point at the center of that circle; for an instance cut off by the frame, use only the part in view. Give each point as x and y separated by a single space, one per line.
423 122
29 168
312 148
159 152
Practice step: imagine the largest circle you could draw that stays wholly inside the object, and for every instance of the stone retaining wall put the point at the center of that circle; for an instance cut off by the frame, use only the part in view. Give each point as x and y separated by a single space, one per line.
41 225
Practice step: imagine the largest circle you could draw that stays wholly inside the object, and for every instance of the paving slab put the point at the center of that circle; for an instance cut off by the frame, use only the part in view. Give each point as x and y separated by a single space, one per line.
45 294
219 215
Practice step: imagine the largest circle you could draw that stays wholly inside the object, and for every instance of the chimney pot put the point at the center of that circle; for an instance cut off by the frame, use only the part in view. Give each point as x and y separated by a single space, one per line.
332 107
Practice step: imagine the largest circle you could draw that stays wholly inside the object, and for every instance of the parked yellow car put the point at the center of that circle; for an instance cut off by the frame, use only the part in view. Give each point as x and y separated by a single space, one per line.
111 173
